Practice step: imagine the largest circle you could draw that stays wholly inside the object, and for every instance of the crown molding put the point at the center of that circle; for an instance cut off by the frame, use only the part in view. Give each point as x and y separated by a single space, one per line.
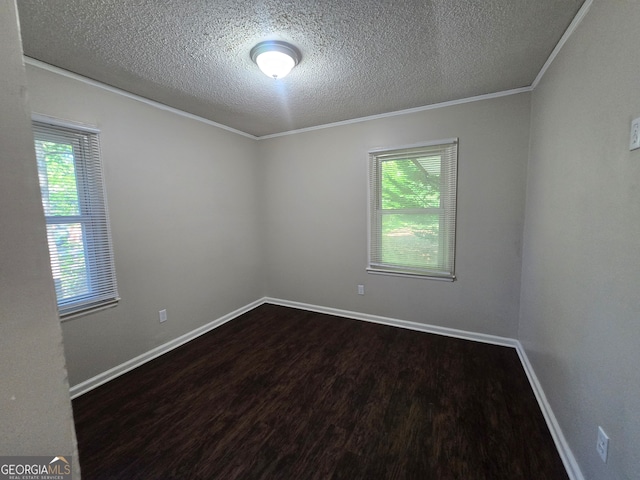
567 33
565 37
66 73
477 98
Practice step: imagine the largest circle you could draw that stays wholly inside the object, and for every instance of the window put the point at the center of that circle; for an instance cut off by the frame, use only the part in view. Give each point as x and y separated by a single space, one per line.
70 174
413 210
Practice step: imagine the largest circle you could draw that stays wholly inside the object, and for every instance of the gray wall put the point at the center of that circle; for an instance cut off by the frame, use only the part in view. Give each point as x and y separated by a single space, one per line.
205 221
35 411
315 216
183 199
581 282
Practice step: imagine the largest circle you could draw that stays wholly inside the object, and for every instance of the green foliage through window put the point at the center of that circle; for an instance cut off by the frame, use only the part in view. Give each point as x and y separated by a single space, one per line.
58 178
59 188
411 183
70 175
413 206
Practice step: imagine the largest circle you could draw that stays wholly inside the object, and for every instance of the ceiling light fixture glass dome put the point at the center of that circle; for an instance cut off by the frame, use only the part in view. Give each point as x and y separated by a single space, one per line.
275 58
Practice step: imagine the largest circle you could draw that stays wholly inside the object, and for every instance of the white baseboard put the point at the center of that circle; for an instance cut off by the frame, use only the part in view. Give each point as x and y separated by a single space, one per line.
393 322
573 470
129 365
570 463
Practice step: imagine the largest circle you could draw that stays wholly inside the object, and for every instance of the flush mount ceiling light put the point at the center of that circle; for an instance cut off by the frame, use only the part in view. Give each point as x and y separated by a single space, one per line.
275 59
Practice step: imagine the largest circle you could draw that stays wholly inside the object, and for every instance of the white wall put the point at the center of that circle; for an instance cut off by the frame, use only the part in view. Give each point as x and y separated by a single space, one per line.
183 201
581 270
35 410
315 216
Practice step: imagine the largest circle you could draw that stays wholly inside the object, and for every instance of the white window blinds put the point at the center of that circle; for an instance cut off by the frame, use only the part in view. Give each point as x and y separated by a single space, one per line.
73 196
412 209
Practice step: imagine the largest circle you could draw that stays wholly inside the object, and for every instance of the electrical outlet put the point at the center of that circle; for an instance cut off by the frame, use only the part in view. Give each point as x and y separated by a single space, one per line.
602 446
635 134
360 289
163 315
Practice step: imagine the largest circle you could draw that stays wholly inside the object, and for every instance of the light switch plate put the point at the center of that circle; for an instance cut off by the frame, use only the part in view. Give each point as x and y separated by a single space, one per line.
602 446
635 134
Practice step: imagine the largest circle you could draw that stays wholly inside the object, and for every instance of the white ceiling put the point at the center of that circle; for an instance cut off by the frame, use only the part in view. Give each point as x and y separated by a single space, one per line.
359 57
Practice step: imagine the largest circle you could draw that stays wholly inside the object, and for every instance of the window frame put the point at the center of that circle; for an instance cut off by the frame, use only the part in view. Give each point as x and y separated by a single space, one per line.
92 216
447 210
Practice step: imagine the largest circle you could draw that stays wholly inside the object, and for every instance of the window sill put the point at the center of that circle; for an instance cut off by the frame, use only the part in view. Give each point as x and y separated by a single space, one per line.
394 273
89 310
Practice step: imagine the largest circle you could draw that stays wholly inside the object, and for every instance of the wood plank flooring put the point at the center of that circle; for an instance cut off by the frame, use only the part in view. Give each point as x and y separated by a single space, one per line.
289 394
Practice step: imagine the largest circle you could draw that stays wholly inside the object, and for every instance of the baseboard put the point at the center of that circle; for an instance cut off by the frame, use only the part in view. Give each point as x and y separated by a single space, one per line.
393 322
570 463
129 365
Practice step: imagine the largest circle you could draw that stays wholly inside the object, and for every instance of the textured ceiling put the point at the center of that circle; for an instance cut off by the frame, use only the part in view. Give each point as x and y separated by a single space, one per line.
359 57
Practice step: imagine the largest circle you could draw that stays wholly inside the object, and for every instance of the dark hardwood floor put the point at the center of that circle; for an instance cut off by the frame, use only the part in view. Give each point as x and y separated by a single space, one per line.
285 393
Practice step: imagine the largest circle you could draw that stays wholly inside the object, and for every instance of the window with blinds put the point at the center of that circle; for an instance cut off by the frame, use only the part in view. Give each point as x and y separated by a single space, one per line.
412 209
73 196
